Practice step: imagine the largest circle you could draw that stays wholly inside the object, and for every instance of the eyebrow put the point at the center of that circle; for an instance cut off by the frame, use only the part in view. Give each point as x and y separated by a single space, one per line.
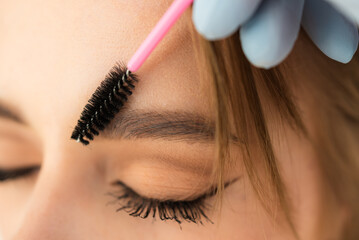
7 113
164 125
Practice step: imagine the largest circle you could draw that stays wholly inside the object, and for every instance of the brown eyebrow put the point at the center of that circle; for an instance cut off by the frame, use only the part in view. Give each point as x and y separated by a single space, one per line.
164 125
6 112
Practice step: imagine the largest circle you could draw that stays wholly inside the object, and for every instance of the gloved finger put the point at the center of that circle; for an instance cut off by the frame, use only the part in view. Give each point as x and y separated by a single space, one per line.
334 35
217 19
270 34
348 7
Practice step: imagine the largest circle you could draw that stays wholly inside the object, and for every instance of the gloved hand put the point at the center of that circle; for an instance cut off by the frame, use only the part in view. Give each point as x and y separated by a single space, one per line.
349 7
269 28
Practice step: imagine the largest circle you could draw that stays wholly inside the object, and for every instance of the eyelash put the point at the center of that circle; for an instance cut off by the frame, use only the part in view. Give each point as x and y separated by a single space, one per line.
11 175
192 211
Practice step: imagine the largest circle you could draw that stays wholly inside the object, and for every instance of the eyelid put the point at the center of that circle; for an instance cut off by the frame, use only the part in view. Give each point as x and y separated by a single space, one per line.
119 183
212 191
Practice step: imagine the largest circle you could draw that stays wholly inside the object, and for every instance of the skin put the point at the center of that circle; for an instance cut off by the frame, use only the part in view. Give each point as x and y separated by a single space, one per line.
53 55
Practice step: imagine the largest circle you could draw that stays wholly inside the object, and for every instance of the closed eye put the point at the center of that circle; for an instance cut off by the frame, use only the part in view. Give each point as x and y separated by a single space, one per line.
135 205
13 174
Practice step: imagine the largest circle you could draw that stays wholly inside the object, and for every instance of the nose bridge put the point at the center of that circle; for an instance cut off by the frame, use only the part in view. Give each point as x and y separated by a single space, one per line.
58 206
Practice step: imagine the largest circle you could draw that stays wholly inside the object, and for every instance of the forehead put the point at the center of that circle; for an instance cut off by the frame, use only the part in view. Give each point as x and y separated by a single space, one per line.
53 55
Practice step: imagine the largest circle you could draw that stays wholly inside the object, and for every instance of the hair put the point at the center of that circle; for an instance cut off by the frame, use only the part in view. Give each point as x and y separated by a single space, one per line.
242 92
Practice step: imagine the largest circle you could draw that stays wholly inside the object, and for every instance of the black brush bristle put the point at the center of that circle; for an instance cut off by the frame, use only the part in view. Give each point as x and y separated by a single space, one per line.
104 104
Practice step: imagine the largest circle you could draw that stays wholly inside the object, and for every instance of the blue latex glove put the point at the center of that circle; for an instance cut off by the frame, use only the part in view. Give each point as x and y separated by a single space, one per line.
349 7
269 28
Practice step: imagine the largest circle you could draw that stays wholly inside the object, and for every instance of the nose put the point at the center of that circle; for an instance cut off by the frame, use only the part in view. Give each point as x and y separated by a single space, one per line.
60 206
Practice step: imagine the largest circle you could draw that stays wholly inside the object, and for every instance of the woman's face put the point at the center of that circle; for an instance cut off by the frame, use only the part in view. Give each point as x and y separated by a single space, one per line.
53 55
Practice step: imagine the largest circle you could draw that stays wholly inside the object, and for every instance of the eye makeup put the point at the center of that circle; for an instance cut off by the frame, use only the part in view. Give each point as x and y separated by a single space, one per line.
179 211
192 210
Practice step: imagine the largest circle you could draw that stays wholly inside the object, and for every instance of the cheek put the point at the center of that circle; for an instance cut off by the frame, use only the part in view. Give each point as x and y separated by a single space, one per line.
12 204
304 181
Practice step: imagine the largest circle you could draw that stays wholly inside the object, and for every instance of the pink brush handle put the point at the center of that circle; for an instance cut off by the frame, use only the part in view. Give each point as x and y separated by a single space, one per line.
157 34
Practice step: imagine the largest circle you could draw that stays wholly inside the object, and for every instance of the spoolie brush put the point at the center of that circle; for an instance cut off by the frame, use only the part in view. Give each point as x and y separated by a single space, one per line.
114 91
104 104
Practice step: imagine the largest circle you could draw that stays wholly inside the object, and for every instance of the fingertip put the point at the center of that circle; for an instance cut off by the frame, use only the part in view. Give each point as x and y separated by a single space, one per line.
269 36
218 19
335 35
